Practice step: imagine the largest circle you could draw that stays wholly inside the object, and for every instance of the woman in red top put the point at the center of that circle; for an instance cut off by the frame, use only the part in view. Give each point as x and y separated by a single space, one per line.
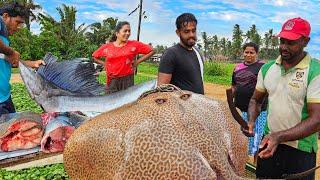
119 58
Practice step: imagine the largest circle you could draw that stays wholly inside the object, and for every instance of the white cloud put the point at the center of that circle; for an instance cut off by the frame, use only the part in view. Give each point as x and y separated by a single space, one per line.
279 2
242 4
281 17
231 16
202 6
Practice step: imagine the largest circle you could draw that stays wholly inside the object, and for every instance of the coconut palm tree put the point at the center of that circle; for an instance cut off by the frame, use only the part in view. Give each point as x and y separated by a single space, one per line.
100 32
65 30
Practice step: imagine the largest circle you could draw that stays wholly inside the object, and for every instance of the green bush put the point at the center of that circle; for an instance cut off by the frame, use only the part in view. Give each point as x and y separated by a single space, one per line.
215 69
52 172
15 70
21 99
148 68
141 78
137 78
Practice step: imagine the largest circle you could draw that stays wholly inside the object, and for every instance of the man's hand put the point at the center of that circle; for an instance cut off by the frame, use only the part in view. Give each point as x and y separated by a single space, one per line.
248 132
36 64
270 143
14 58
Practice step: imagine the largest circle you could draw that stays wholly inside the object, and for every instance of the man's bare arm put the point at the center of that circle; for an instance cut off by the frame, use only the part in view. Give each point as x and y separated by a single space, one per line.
254 109
301 130
164 78
143 58
6 50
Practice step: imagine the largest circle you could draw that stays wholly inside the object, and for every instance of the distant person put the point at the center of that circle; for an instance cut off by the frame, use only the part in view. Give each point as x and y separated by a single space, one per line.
292 83
182 64
12 18
244 80
119 56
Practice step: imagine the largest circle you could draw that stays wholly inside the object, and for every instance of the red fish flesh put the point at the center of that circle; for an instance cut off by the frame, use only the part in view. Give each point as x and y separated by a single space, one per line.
20 131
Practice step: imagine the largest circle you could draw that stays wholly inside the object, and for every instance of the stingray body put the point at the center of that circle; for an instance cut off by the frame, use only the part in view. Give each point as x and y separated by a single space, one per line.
162 135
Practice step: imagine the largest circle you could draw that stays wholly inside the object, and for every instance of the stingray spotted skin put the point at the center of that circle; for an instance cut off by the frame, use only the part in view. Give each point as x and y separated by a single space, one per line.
165 135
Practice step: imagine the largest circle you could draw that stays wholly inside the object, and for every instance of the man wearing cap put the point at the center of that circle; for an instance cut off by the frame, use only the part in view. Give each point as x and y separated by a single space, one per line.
292 82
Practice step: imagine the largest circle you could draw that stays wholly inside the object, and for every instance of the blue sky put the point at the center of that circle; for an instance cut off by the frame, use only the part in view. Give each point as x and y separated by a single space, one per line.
214 17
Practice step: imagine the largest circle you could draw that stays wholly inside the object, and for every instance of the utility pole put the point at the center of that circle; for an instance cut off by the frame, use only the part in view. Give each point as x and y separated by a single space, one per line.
139 23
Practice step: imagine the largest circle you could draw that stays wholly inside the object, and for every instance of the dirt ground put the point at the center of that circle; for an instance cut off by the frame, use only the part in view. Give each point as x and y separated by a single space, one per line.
211 90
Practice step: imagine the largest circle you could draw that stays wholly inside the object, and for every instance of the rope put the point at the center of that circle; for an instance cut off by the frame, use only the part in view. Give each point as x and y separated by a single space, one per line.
162 88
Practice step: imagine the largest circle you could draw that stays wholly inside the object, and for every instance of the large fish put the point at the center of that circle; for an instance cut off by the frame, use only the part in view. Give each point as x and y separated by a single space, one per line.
59 127
20 131
55 99
163 135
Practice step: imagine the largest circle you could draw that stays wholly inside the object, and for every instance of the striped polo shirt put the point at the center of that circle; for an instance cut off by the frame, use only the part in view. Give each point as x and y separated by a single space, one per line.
289 92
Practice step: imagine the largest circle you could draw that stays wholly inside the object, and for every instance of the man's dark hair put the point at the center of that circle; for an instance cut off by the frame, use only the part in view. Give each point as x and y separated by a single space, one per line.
251 44
14 10
184 19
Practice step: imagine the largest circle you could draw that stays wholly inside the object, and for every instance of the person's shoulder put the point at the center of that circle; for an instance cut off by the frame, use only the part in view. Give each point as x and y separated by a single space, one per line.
239 66
259 63
315 62
169 53
169 50
265 67
173 48
314 68
106 45
268 63
134 42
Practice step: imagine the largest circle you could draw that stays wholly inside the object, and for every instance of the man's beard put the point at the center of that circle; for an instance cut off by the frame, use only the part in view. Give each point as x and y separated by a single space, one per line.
286 56
290 57
189 43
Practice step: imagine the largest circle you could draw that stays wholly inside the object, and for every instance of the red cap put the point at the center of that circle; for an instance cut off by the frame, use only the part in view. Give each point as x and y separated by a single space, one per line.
294 28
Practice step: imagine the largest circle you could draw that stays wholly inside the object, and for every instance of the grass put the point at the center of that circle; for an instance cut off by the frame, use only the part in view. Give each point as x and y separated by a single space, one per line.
15 70
148 68
52 172
218 73
21 99
140 78
223 80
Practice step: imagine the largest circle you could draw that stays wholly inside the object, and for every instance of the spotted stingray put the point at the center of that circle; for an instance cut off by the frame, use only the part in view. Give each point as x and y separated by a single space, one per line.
166 134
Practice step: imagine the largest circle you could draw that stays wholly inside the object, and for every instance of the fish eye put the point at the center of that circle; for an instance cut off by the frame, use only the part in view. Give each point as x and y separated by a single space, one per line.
185 96
160 101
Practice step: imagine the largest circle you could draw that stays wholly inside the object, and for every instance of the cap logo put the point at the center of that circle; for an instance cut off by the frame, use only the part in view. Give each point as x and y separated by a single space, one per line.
289 26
